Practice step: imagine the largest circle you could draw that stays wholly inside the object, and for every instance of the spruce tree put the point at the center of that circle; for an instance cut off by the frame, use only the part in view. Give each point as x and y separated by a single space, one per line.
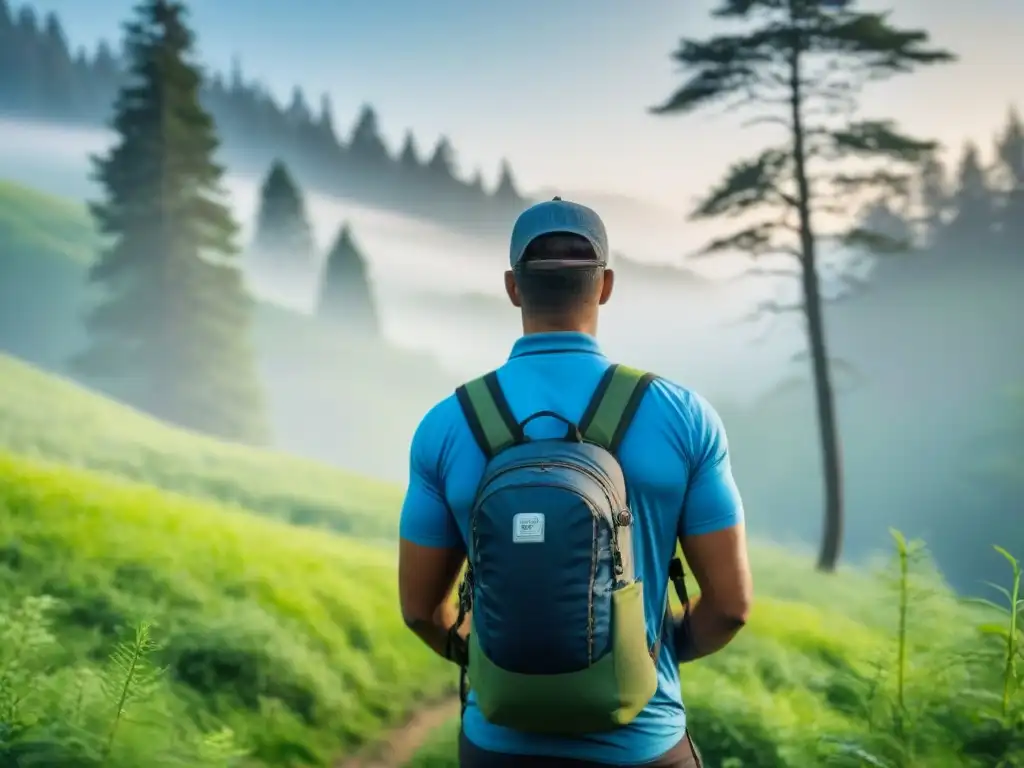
506 191
171 334
9 59
476 183
1010 151
283 247
346 297
25 80
298 112
409 157
57 75
972 205
933 200
801 64
326 136
366 146
441 166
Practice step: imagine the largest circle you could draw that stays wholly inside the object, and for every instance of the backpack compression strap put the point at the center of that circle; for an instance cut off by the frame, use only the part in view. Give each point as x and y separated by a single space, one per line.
490 419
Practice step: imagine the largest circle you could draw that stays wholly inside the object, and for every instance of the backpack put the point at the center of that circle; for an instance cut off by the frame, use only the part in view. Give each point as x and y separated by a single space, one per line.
558 637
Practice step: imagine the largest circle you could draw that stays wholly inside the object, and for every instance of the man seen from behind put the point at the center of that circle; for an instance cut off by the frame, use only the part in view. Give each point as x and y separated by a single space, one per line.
567 481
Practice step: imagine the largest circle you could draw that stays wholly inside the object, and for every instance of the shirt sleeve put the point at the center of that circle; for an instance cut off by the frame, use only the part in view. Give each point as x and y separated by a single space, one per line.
712 501
426 518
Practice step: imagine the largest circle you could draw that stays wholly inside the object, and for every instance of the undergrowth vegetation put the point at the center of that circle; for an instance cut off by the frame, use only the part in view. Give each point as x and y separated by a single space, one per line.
883 670
144 628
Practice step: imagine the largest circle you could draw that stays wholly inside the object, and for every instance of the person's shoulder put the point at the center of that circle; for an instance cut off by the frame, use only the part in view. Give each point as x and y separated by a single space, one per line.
689 416
438 422
681 402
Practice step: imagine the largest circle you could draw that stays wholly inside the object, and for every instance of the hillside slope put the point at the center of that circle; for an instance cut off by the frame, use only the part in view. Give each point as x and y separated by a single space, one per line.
289 636
44 416
46 246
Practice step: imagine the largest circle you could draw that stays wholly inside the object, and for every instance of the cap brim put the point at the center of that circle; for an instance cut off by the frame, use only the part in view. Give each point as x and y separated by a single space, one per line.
567 230
552 264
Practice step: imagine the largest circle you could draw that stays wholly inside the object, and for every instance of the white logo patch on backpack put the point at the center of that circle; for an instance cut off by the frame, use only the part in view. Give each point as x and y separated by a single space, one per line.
528 528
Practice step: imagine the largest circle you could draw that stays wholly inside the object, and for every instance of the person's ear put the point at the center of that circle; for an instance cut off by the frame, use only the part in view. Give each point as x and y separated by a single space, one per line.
512 289
607 285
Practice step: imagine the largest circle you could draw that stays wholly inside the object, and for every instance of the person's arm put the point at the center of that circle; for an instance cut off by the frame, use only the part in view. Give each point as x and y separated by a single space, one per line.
713 538
431 551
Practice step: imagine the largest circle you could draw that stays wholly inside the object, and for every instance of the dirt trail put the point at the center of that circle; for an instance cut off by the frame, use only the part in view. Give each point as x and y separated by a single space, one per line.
400 745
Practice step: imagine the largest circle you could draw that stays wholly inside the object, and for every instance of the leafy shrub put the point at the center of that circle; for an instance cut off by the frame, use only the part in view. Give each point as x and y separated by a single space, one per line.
120 713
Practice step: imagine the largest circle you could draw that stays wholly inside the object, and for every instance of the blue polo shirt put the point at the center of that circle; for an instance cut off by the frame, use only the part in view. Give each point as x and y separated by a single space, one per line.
676 463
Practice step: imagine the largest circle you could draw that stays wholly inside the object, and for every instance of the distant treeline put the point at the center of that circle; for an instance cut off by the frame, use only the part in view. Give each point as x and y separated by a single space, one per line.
975 209
41 79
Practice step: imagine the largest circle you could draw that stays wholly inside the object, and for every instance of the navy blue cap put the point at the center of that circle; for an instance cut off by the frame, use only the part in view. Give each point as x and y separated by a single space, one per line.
559 216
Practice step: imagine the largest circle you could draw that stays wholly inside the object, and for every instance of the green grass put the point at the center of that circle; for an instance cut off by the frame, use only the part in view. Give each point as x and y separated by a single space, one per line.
47 417
816 678
287 636
44 226
46 246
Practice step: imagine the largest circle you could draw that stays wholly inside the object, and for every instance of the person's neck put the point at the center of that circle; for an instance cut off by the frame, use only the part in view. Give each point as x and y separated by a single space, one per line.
532 325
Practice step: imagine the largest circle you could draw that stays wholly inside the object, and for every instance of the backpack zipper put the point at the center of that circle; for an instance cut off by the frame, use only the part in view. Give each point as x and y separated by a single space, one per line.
602 480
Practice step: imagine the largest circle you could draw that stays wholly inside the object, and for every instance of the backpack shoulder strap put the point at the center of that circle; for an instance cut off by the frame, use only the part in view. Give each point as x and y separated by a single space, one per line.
613 406
605 422
490 419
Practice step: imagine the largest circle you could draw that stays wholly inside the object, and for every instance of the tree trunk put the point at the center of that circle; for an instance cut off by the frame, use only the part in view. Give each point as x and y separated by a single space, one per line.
828 430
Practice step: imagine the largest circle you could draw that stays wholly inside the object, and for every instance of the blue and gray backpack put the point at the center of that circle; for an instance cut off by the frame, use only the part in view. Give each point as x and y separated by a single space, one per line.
558 638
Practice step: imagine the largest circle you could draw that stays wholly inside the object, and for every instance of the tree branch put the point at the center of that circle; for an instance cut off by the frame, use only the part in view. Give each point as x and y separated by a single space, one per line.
756 240
749 184
869 240
871 139
886 182
723 66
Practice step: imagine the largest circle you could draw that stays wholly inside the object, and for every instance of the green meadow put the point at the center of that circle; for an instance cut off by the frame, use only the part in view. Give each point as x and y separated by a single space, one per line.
270 643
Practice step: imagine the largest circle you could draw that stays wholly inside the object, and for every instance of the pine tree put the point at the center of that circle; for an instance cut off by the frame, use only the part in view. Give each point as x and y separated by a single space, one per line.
933 199
441 165
972 204
8 55
298 112
172 335
237 82
506 190
346 296
26 77
283 246
366 146
409 157
476 183
803 62
107 78
325 121
57 75
1010 151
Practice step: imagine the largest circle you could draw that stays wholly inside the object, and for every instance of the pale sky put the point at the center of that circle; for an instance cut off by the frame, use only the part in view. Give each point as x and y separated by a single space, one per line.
561 87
